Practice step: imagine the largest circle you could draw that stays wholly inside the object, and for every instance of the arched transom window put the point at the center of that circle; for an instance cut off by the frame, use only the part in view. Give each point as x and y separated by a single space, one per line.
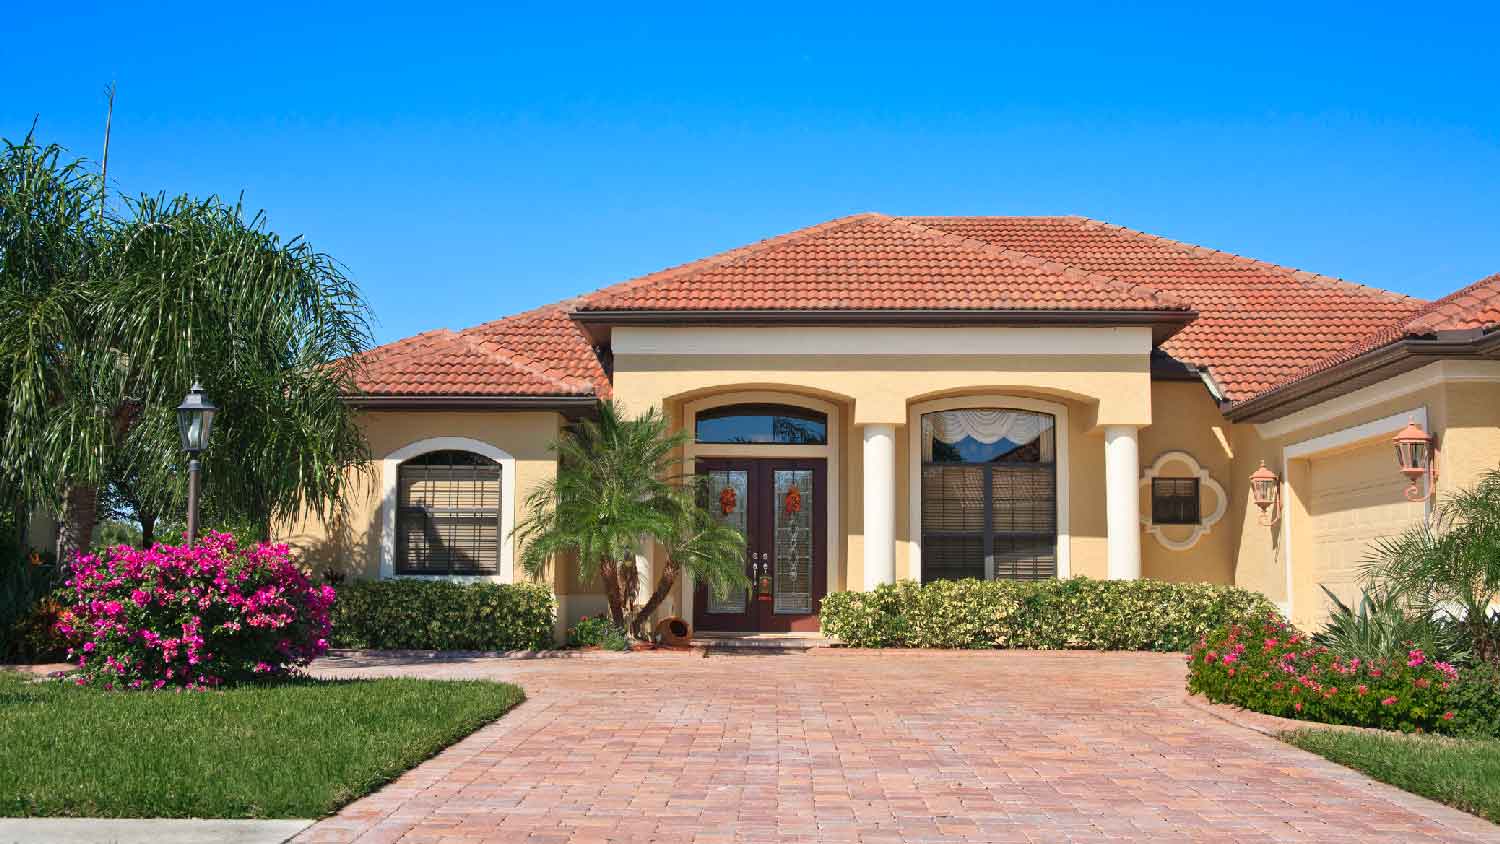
448 514
758 424
989 494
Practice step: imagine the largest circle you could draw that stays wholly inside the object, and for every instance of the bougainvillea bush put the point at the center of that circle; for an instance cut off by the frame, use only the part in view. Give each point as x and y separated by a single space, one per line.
193 617
1271 667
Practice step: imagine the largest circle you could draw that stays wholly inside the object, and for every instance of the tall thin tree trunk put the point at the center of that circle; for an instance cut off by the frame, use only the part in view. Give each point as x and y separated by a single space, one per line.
663 588
80 512
609 572
148 528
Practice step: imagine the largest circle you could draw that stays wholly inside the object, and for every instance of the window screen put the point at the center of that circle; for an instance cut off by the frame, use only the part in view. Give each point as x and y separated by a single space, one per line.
1174 501
989 495
448 514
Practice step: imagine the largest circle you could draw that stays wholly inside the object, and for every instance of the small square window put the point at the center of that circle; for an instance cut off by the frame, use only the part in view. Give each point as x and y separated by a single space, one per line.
1174 501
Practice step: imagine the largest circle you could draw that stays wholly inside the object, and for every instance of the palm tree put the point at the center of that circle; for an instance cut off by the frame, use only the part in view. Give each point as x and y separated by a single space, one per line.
105 321
1451 566
199 290
618 487
59 415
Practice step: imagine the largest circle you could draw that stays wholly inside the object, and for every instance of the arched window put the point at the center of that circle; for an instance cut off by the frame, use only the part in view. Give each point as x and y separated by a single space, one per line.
989 494
448 514
775 424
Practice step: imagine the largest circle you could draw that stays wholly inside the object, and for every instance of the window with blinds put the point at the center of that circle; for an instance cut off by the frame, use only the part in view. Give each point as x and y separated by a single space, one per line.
1174 501
448 514
989 495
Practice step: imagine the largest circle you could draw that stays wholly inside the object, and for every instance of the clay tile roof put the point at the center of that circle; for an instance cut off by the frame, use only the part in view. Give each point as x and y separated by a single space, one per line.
1258 323
538 353
875 262
1476 307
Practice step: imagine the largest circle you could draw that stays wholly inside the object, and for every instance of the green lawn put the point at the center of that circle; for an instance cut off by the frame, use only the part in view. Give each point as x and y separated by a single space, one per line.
299 749
1464 773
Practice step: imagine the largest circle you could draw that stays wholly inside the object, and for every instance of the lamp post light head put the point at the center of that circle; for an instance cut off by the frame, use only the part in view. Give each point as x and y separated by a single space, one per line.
1263 490
195 420
1414 455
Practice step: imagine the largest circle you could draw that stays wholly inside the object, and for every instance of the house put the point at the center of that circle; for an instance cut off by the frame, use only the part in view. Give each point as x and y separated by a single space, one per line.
877 398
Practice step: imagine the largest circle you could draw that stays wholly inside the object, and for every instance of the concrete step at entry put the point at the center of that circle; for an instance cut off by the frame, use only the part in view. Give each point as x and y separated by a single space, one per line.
759 642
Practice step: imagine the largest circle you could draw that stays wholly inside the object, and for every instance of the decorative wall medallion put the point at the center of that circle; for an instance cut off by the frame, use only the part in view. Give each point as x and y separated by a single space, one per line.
727 500
1180 464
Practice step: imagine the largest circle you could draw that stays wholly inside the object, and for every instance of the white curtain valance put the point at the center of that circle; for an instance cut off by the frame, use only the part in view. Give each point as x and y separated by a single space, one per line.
987 426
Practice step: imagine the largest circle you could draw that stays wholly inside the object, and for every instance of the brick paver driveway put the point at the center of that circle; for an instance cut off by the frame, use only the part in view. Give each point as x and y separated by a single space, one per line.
851 746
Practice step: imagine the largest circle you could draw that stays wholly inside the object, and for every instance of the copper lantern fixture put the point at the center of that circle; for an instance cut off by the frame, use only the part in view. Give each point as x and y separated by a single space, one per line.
1264 489
1415 453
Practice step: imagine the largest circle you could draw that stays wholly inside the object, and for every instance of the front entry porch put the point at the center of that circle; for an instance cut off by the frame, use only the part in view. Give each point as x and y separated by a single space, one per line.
778 504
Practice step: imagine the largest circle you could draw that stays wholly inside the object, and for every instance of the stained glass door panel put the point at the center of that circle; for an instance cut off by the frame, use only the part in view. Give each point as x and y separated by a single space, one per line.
792 581
729 496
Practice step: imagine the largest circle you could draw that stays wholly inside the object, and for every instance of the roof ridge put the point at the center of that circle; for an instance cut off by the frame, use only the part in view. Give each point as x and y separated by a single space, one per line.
1452 298
722 258
1407 326
1197 250
1027 259
511 357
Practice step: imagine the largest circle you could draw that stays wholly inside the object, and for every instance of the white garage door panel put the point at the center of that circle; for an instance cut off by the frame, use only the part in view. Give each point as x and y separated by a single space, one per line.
1357 497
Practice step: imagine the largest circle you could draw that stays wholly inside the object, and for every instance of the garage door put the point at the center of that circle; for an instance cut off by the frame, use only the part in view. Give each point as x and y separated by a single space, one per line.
1356 497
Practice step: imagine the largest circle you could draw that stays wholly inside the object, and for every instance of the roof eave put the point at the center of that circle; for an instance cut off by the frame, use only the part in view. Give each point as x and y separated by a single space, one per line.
1163 323
1394 358
567 405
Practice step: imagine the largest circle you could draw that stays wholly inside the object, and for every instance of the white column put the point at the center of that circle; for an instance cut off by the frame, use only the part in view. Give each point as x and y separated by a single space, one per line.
1122 494
880 505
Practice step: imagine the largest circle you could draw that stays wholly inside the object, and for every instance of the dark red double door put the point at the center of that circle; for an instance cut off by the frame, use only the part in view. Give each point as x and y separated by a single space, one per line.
780 506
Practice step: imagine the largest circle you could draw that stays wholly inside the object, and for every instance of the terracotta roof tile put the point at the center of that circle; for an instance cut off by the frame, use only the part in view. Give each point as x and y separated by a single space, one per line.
1257 322
1474 307
538 353
875 262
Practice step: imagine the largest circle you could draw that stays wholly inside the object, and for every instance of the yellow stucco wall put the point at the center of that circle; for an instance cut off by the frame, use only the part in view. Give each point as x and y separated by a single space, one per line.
350 542
1185 418
1461 401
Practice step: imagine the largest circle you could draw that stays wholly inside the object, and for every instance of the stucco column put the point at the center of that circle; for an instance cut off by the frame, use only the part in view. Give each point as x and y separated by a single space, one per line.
880 504
1122 493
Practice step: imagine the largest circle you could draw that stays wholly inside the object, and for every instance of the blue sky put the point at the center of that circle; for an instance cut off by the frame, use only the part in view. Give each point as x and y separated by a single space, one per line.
478 161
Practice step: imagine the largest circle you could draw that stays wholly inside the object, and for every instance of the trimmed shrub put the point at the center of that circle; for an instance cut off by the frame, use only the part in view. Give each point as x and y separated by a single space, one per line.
1268 666
28 608
597 631
1476 700
194 617
440 615
1137 615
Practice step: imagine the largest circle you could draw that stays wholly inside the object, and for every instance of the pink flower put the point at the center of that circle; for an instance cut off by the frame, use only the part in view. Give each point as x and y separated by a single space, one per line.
1448 716
1297 706
1415 658
1390 701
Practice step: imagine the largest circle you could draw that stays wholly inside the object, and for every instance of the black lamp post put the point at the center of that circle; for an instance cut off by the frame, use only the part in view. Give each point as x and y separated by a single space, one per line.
195 419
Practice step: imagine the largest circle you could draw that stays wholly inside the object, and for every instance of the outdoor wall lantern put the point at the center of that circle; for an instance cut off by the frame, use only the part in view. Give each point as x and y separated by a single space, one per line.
195 420
1415 453
1265 490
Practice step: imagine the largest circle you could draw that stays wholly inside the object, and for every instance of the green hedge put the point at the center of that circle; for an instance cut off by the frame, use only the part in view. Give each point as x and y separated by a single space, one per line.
443 616
1131 615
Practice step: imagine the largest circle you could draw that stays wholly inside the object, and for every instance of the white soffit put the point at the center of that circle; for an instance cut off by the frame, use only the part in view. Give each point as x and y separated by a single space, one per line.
879 340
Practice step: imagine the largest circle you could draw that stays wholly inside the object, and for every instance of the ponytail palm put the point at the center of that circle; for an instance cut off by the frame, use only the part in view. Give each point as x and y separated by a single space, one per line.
619 486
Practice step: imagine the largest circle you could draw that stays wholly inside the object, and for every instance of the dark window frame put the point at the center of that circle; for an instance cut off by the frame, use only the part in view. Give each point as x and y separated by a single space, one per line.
1177 501
992 539
443 523
765 409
